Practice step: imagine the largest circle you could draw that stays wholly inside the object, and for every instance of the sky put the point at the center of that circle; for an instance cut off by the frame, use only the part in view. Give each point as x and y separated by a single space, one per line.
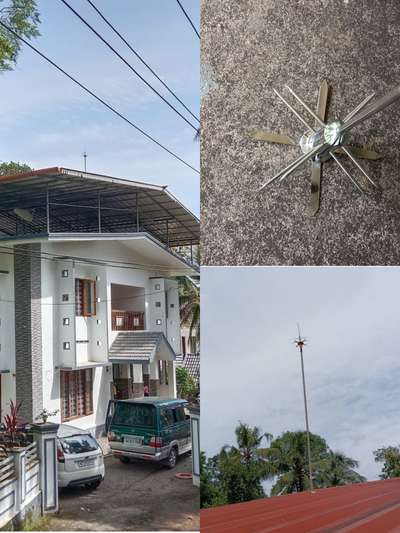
46 120
251 368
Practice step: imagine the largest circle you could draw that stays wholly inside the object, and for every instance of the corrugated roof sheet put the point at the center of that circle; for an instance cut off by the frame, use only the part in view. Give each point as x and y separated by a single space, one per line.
137 346
372 507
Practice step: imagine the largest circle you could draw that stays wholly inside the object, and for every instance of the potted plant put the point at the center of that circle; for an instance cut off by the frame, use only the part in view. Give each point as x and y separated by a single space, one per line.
45 414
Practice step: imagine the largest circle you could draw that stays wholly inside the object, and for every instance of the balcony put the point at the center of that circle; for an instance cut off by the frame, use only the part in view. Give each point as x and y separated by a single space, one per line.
122 320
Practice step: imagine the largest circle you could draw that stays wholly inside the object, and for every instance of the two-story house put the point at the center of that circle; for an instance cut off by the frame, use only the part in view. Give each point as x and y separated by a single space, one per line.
89 305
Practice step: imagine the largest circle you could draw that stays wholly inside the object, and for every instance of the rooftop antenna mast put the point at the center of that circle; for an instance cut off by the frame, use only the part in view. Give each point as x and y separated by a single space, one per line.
300 342
84 160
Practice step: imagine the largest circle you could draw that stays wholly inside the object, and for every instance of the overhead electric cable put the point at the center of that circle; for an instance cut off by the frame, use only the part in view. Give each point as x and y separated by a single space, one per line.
96 97
187 16
141 59
127 63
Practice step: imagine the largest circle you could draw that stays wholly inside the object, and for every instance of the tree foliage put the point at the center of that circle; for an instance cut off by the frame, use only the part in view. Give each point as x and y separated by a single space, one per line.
390 457
23 17
185 385
237 473
13 168
288 454
189 303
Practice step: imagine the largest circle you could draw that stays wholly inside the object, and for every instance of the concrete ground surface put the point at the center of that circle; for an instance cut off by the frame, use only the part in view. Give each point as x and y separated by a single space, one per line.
250 47
135 497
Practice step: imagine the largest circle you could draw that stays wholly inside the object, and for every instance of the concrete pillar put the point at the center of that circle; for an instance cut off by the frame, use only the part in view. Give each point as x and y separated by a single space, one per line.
28 329
45 435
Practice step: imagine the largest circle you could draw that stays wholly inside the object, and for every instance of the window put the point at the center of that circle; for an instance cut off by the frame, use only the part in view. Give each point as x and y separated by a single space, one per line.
66 346
158 322
158 304
76 393
179 413
66 321
157 287
119 321
85 297
64 273
167 417
65 297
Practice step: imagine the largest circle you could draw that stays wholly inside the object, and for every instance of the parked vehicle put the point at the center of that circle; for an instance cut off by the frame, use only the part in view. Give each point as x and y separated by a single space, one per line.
149 428
80 458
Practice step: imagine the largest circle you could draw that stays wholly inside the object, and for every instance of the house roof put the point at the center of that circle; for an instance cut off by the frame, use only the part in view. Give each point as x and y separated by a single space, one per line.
75 196
140 347
364 507
192 364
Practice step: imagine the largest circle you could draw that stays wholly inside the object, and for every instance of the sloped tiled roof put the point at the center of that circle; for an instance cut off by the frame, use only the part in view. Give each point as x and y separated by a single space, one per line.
137 346
192 364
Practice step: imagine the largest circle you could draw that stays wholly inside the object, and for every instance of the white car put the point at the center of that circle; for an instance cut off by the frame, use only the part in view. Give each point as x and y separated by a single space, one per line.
80 458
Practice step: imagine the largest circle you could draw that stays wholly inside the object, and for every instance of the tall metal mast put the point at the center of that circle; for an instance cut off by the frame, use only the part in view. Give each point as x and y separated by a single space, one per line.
300 343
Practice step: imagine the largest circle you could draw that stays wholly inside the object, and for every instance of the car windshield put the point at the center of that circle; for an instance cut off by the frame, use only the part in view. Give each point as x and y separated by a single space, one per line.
134 414
79 444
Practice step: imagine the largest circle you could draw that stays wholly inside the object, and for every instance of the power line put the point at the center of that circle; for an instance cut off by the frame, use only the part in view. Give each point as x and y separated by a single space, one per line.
96 97
141 59
187 16
126 62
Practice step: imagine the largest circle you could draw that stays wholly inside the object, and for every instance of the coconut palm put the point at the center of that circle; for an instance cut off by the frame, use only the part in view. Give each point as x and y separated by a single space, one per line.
189 302
243 468
338 469
288 455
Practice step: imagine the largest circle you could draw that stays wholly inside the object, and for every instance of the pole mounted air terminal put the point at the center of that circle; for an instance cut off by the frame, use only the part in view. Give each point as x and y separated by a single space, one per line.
300 342
325 140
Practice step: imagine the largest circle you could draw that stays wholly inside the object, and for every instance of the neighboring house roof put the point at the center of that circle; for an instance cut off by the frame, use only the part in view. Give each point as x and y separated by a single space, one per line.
140 347
364 507
192 364
160 213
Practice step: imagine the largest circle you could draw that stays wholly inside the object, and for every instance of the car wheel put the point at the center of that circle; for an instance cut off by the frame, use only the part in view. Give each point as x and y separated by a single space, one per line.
171 461
94 484
125 460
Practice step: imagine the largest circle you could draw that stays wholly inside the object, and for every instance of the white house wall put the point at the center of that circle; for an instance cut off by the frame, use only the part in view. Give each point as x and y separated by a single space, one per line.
7 331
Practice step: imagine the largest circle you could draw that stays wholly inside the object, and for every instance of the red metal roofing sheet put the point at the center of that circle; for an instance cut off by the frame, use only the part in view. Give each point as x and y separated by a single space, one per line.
372 507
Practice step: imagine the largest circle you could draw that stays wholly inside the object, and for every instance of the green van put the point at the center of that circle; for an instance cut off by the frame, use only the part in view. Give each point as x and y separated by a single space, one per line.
150 428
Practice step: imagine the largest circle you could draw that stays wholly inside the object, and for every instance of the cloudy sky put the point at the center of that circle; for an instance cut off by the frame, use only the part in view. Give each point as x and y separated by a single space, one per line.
251 368
46 120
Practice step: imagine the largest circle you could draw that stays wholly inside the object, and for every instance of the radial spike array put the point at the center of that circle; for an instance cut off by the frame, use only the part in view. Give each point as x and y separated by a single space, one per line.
326 140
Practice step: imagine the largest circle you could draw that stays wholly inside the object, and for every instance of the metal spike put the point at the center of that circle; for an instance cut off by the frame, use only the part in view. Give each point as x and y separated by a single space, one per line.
294 112
316 117
347 173
359 166
359 107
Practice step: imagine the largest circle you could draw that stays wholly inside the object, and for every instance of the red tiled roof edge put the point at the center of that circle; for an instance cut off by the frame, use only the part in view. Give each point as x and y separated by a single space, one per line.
20 175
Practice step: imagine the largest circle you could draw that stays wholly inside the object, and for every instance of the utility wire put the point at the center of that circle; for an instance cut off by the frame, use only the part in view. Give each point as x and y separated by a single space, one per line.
127 63
96 97
187 16
141 59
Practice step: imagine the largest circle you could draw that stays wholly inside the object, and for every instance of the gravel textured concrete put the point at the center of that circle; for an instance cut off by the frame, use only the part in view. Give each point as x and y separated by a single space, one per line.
250 47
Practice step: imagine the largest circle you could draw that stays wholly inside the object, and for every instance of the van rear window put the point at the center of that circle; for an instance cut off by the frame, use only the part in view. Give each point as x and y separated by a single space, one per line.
134 414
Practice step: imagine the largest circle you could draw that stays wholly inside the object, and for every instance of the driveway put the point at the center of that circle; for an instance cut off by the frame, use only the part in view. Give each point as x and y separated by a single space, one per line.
133 497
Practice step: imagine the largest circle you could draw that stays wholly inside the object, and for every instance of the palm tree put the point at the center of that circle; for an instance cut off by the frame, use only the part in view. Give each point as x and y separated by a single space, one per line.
288 455
243 468
338 469
189 302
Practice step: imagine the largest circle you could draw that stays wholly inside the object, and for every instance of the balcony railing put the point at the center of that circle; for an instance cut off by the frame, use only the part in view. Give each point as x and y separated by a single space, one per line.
122 320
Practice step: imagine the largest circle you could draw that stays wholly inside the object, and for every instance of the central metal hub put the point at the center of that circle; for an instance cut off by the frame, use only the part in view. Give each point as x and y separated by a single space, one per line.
331 135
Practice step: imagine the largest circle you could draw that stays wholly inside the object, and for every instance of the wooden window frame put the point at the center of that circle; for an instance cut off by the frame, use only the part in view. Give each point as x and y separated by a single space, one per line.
85 312
76 380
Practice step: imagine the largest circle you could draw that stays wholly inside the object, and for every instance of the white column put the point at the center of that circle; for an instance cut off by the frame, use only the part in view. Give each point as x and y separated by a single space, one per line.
45 435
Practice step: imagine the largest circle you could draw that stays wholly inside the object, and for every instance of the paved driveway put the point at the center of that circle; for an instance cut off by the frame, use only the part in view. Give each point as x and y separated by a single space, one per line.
134 497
